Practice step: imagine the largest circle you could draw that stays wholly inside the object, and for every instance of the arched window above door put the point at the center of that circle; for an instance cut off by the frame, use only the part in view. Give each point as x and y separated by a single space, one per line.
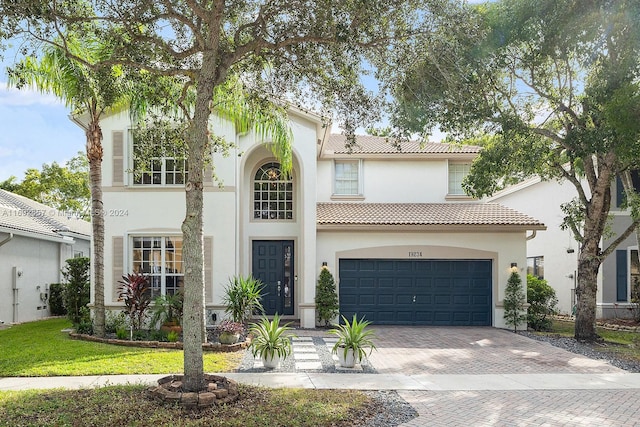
272 194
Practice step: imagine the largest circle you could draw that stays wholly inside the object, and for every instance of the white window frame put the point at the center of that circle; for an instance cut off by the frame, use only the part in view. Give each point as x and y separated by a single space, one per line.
163 274
285 206
360 186
163 168
454 187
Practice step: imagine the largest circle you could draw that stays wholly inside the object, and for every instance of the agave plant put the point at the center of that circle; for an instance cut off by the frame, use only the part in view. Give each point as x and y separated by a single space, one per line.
354 336
270 339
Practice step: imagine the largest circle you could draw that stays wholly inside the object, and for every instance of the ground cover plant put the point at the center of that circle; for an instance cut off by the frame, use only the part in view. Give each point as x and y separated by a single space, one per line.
128 406
41 349
621 344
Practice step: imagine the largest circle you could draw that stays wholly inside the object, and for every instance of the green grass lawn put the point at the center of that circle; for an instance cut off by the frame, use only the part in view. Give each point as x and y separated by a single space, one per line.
41 349
621 343
128 406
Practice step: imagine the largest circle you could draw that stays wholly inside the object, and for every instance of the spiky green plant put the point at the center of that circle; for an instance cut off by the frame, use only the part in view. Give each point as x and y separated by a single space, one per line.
242 298
354 336
270 338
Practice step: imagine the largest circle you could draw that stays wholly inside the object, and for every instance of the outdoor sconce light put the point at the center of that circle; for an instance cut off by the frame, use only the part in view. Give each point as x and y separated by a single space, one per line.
514 266
324 263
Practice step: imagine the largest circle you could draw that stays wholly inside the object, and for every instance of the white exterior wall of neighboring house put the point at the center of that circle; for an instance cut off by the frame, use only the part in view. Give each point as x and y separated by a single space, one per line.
33 251
559 249
501 248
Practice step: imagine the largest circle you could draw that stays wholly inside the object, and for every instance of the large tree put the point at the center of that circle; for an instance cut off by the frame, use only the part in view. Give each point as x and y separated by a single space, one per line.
306 50
65 188
557 84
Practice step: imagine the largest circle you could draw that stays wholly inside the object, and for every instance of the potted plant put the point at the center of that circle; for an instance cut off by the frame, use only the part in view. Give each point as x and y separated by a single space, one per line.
270 341
354 339
167 311
229 331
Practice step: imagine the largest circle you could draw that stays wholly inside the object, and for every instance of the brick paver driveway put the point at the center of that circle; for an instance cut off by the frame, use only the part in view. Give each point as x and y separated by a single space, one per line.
468 351
472 350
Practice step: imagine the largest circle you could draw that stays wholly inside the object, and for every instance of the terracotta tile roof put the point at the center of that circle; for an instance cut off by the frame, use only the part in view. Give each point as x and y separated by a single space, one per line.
367 144
437 214
22 214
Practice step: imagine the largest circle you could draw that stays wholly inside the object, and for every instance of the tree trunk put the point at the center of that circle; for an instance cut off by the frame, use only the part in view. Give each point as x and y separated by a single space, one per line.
94 154
586 292
193 243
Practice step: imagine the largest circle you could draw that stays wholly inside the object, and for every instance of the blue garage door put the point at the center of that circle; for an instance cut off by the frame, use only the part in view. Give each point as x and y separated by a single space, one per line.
416 292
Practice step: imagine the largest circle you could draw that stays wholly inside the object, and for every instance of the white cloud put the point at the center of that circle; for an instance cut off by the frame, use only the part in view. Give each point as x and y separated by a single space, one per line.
13 97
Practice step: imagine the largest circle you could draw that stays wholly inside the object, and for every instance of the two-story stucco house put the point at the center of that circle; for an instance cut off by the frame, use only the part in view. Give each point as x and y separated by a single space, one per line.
403 242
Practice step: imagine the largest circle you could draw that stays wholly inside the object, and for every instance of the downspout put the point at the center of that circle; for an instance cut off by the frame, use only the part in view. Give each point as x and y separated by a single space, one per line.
532 236
7 240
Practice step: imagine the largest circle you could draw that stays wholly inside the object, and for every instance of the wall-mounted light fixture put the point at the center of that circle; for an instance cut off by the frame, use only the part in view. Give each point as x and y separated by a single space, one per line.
324 263
514 267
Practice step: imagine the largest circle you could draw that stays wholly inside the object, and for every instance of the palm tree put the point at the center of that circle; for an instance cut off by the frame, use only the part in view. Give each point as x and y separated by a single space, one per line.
89 92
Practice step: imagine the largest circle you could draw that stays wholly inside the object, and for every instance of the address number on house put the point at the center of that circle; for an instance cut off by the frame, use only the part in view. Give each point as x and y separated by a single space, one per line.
415 254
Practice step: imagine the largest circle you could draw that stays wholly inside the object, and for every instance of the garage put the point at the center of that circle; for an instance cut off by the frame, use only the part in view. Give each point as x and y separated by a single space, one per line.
417 292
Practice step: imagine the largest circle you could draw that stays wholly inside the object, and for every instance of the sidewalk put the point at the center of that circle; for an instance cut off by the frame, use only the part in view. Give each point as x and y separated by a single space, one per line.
425 382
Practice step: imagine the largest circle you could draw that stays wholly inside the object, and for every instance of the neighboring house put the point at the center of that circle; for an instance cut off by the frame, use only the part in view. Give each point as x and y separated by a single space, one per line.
404 243
35 242
553 255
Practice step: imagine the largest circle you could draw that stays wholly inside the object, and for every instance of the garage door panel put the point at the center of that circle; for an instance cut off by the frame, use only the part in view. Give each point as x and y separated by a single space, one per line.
386 283
422 292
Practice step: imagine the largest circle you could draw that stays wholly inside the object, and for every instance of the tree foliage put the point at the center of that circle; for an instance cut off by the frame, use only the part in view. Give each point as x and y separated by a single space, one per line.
556 83
65 188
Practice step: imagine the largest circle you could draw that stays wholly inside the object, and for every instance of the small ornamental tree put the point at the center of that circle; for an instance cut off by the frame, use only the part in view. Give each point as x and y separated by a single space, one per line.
326 297
514 302
76 289
542 303
134 292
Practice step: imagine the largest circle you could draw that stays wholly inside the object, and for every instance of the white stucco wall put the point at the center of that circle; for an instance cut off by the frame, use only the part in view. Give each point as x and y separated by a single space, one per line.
29 265
392 180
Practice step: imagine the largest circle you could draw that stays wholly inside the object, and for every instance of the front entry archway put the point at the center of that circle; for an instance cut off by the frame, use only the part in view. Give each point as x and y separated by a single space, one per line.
272 263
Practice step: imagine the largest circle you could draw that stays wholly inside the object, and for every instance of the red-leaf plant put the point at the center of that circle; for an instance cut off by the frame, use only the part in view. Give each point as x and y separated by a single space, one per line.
134 291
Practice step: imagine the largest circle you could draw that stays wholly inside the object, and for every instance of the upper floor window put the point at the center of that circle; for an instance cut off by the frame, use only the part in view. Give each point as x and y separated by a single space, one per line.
160 258
159 164
272 193
347 178
457 172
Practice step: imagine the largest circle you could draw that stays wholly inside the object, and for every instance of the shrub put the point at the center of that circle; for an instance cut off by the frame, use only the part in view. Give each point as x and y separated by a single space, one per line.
115 321
173 336
122 334
134 291
167 308
242 298
542 303
514 301
326 297
56 299
76 289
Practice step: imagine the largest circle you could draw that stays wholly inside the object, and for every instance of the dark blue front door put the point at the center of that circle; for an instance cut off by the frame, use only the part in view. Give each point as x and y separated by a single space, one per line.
417 292
272 263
